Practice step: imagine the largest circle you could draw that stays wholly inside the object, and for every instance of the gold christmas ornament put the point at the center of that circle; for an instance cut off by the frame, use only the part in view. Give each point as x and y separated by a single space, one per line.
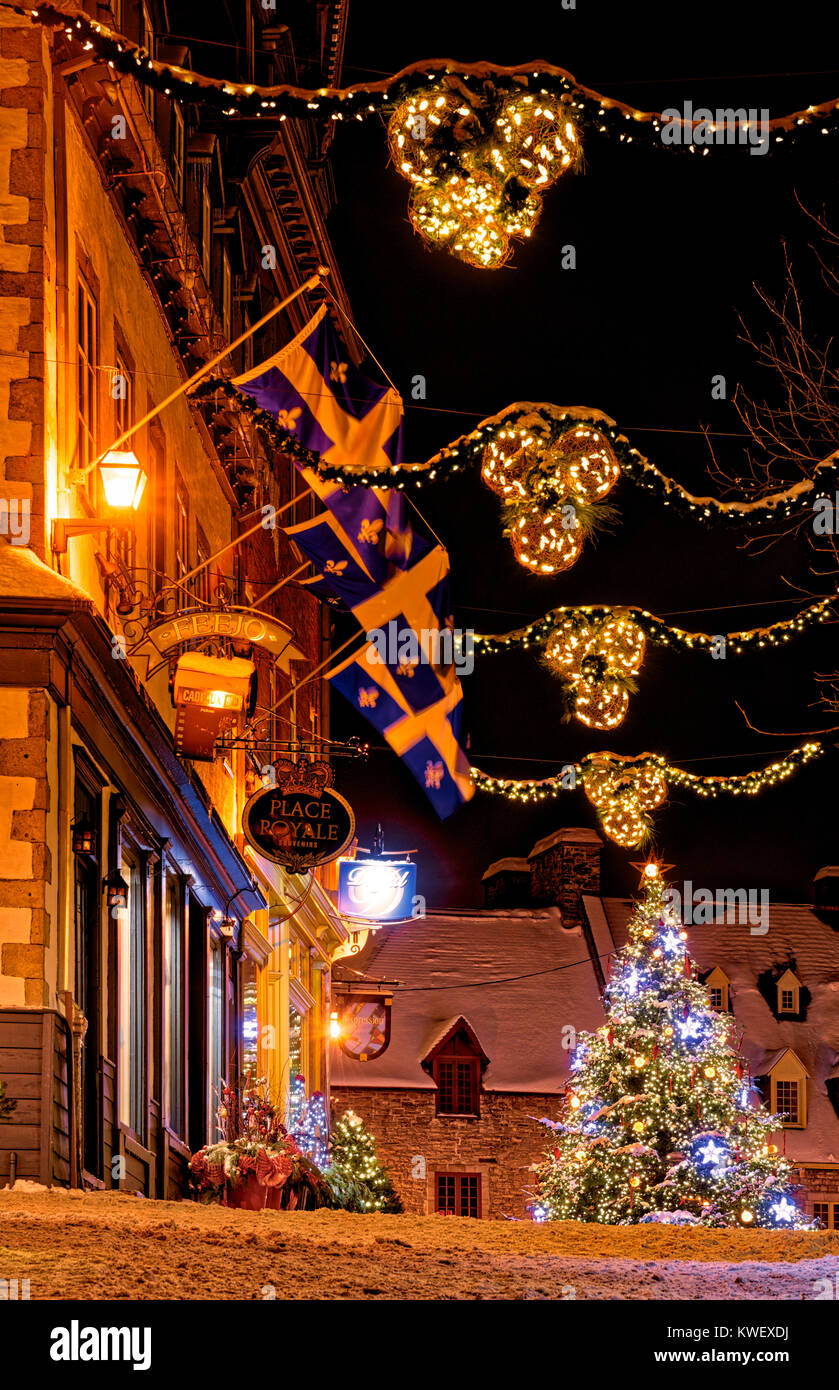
624 795
478 164
599 660
545 543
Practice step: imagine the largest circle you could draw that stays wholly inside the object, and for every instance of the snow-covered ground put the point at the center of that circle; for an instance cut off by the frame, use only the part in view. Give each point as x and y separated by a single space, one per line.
106 1246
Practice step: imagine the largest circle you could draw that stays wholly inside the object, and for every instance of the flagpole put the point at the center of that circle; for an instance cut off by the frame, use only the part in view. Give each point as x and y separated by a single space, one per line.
312 283
311 676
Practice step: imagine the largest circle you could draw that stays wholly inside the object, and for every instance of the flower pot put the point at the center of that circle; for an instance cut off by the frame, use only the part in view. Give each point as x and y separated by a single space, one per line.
247 1195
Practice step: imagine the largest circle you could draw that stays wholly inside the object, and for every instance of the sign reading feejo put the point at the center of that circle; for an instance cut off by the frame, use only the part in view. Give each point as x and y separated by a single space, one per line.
377 890
298 824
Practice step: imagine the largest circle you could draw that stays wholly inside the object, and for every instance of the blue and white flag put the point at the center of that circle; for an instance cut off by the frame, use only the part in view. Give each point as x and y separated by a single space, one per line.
427 741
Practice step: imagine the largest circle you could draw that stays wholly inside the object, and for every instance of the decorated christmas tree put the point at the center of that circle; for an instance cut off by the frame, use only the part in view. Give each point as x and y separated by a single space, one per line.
311 1133
660 1121
355 1175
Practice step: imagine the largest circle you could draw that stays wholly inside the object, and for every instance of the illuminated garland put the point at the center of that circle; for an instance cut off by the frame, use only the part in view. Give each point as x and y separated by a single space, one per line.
549 428
552 480
472 82
477 141
598 650
625 790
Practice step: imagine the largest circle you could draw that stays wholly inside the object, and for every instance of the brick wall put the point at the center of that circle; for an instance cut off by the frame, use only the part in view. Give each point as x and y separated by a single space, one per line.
23 101
500 1145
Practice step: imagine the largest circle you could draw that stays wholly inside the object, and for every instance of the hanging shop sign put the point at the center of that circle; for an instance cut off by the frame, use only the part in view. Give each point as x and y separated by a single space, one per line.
301 822
364 1025
238 624
208 693
376 890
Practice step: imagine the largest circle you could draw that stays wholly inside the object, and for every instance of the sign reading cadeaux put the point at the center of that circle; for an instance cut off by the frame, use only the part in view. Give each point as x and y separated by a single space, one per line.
300 822
377 890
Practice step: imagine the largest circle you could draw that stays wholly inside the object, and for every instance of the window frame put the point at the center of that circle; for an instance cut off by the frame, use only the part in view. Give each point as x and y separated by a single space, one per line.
791 1116
181 534
87 368
458 1063
458 1180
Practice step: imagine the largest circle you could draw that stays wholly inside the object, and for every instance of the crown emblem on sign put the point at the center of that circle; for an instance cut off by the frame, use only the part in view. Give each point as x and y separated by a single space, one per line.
309 778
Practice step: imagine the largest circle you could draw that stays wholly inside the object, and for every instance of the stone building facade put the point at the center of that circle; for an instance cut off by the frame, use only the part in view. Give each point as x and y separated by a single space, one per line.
134 240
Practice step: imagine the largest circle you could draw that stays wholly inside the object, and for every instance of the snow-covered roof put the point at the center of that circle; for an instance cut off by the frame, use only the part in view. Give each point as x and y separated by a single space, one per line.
568 835
518 866
520 978
794 933
23 575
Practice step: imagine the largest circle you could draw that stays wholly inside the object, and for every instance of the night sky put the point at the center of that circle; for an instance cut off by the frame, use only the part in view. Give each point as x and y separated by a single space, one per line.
669 247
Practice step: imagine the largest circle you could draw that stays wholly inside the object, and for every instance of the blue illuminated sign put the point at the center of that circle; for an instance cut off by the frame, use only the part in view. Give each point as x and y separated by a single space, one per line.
376 890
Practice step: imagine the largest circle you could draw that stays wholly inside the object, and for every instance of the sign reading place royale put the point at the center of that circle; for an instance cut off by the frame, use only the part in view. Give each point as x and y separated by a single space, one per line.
301 822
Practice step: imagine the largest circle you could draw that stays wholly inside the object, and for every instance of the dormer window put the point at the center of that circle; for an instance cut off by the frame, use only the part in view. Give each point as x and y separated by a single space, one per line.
456 1063
788 1089
718 986
789 991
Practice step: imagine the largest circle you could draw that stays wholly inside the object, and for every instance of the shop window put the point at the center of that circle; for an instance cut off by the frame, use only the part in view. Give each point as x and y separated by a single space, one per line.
458 1194
295 1043
250 1020
87 808
216 1034
174 1021
132 998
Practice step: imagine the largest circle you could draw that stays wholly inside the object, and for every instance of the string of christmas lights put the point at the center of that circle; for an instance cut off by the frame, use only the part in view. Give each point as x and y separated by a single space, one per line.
478 142
472 83
597 650
565 457
626 789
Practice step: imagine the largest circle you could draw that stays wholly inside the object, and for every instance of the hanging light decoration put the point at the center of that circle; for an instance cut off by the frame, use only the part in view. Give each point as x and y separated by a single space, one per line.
624 796
478 162
599 661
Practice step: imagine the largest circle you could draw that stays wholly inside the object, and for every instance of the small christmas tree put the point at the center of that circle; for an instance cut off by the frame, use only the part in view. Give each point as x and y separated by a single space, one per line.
312 1131
6 1106
660 1121
355 1175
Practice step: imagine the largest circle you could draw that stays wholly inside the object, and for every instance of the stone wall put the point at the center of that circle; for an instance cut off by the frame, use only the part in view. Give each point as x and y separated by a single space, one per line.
25 859
23 103
562 867
501 1144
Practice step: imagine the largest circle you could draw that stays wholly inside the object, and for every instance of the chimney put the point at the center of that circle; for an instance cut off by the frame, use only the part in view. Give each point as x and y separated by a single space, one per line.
507 883
563 866
826 895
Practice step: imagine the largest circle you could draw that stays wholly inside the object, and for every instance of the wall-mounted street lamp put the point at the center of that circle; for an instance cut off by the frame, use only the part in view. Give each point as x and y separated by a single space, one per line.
84 838
123 483
117 890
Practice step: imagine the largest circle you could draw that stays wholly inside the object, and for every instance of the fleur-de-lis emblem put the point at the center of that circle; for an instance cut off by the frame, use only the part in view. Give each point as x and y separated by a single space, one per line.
369 531
367 698
406 668
434 774
335 566
287 419
338 371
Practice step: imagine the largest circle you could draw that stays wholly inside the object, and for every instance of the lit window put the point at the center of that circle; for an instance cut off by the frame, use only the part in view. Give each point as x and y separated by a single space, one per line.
181 538
173 1008
458 1194
87 338
786 1101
